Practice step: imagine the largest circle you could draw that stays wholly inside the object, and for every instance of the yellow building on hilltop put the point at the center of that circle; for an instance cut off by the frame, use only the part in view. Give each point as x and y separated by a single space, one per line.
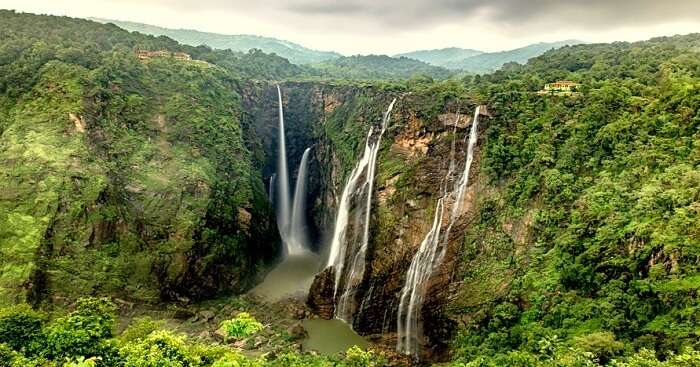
560 87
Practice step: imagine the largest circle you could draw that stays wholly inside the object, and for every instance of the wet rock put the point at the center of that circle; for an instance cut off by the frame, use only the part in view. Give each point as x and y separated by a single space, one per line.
297 331
206 315
183 314
220 334
320 298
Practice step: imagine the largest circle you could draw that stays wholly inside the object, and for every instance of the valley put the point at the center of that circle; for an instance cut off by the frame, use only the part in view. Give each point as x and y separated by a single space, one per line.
237 209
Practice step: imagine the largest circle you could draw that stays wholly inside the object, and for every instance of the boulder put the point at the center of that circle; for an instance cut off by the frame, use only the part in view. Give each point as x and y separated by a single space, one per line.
297 331
320 299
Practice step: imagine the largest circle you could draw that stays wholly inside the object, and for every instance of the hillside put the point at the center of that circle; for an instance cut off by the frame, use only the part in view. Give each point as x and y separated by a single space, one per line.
539 230
94 139
377 67
441 57
491 61
293 52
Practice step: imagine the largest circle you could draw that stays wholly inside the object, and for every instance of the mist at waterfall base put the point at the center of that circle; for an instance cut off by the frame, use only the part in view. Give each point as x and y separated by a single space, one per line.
291 220
359 188
432 250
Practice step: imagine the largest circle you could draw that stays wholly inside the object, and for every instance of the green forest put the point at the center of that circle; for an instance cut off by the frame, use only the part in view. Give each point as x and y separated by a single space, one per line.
128 182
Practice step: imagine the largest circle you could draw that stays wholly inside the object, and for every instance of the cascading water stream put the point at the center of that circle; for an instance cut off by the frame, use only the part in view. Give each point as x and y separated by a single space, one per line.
290 221
297 239
271 189
356 186
432 251
282 178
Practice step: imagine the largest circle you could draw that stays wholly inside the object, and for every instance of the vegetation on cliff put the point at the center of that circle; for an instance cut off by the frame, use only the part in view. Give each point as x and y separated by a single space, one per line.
123 176
608 183
135 179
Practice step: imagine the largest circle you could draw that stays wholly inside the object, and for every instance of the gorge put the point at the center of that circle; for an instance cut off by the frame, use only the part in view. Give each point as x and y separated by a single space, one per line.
147 210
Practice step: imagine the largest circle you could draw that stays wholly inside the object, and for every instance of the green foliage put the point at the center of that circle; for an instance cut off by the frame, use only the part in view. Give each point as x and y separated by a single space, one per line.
242 326
356 357
83 332
139 329
20 326
607 182
240 43
96 144
379 67
601 344
160 348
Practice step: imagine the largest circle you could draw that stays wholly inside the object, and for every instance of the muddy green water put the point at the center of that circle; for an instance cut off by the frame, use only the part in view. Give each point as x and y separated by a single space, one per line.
330 336
292 278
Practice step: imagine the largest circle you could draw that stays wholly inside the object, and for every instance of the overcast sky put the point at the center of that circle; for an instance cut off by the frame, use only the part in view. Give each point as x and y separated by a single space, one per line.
393 26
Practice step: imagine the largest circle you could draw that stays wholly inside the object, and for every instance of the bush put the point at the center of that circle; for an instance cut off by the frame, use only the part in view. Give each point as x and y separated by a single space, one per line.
356 357
83 331
160 348
243 326
235 360
20 326
601 344
139 329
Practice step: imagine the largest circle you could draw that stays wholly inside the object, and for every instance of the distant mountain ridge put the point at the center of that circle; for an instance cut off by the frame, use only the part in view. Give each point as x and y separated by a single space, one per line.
441 57
293 52
380 67
485 62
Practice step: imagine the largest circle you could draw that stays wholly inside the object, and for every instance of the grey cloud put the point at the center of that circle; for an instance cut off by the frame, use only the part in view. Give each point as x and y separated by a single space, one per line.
420 14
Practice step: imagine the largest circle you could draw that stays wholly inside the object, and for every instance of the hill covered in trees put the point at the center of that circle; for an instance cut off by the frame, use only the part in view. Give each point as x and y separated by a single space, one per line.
379 67
293 52
478 62
441 57
141 180
608 180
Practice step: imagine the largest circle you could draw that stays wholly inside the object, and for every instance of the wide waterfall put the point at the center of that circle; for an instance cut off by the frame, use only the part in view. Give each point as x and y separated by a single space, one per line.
432 251
297 238
358 187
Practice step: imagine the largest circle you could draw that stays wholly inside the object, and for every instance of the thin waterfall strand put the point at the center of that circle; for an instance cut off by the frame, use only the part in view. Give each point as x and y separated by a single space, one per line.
283 212
297 239
431 252
340 244
271 189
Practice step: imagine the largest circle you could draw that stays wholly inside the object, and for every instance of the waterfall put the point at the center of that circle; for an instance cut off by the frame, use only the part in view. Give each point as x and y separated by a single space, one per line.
432 251
358 184
297 239
271 189
290 221
283 214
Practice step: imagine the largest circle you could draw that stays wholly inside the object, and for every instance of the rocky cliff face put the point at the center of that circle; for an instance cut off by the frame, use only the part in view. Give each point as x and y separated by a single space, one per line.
412 163
141 188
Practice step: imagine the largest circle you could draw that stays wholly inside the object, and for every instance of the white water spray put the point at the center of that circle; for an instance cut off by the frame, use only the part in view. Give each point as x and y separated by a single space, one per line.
282 178
432 251
358 184
297 238
290 221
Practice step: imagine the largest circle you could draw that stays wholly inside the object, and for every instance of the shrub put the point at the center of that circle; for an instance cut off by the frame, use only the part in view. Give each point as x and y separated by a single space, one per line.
356 357
602 344
83 331
139 329
243 326
235 360
20 326
160 348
